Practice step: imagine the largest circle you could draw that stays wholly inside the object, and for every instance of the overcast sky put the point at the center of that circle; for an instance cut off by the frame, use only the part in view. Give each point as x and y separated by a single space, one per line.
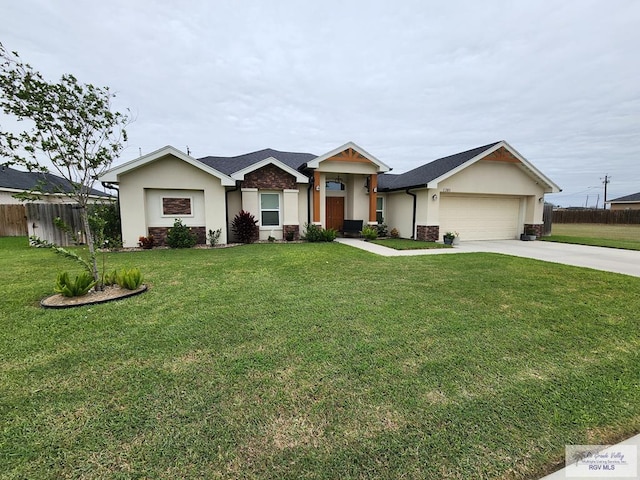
408 81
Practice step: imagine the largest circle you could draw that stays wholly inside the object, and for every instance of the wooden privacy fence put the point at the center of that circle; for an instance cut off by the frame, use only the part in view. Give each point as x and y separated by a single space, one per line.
40 222
597 216
13 221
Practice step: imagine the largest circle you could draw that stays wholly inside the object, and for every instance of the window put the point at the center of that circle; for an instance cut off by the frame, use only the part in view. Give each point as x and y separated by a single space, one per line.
334 185
270 209
379 209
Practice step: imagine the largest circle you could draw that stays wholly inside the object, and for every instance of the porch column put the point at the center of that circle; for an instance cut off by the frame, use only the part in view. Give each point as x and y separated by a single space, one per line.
316 196
373 196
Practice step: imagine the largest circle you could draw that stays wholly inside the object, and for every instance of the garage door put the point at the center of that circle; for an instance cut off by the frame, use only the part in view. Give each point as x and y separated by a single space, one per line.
480 218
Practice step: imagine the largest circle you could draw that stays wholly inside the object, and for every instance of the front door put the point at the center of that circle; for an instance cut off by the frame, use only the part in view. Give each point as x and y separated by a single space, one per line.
335 212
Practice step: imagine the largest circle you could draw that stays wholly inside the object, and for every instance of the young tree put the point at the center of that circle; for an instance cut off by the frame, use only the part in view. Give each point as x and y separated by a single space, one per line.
71 125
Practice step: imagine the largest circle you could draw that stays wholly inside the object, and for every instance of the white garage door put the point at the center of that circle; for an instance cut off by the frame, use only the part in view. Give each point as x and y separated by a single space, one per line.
480 218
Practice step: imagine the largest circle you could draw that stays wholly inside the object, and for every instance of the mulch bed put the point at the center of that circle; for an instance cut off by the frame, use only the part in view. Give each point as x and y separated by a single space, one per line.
109 294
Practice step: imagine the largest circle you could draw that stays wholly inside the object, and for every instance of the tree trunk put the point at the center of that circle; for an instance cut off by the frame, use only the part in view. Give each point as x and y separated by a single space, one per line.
89 237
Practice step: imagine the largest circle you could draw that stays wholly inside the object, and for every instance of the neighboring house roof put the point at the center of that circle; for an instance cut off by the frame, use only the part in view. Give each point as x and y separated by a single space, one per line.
633 198
111 176
231 165
428 175
46 183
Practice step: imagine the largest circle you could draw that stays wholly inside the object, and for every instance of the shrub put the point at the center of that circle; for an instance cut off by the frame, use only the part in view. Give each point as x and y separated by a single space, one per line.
129 279
74 288
383 230
312 233
315 233
214 236
180 236
104 221
110 278
370 233
245 227
394 233
146 242
329 235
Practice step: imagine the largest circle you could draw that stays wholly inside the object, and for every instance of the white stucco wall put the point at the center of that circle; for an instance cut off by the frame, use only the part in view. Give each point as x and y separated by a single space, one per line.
498 178
167 173
398 212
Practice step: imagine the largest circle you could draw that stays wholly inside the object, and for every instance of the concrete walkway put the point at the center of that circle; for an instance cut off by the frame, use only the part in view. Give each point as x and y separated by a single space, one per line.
599 258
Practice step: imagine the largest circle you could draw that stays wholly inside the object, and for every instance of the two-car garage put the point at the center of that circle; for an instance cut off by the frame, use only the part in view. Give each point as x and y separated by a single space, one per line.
476 217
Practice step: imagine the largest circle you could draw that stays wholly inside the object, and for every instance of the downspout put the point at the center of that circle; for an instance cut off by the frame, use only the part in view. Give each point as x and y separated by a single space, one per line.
415 206
226 207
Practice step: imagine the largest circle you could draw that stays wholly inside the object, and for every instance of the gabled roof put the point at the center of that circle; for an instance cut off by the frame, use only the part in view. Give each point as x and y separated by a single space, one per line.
315 163
300 178
231 165
428 175
46 183
112 175
633 198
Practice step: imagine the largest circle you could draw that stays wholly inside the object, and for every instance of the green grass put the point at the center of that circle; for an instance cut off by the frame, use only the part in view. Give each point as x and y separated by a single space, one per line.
315 361
407 244
599 235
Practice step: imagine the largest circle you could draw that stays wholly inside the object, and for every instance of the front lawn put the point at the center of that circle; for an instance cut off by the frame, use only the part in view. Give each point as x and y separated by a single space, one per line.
408 244
599 235
315 361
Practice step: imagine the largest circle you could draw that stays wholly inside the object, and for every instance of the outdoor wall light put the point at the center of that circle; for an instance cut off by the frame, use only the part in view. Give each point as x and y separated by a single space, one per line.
318 188
541 199
434 197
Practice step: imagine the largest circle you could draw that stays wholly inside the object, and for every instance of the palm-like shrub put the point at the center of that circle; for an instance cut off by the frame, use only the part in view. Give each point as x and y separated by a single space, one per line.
74 288
245 227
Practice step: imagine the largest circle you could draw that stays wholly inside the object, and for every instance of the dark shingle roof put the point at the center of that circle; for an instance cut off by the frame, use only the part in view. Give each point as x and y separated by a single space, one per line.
634 197
37 181
422 175
230 165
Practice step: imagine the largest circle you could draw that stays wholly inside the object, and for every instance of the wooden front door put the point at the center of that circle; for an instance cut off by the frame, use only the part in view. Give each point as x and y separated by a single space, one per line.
335 212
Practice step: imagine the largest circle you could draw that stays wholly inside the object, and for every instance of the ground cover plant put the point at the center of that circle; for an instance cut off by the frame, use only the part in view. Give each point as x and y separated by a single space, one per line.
268 361
596 234
408 244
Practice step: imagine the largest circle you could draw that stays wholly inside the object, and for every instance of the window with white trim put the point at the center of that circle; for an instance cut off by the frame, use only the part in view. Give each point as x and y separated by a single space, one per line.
270 209
379 209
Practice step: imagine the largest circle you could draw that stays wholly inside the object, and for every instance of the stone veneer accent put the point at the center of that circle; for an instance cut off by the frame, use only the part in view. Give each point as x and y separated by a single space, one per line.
291 228
428 233
176 206
159 235
269 177
537 228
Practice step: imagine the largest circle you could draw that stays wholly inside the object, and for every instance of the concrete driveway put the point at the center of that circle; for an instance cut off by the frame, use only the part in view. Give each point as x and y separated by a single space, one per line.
599 258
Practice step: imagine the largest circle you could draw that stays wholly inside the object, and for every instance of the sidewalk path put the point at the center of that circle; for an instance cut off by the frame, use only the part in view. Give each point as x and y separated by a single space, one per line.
599 258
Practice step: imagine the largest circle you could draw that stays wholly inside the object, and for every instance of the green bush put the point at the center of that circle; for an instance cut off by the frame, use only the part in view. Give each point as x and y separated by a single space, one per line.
329 235
383 230
370 233
110 278
74 288
180 236
214 236
129 279
245 227
315 233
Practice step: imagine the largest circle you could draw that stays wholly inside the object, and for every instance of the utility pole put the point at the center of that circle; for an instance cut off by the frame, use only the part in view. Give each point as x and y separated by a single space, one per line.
606 181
